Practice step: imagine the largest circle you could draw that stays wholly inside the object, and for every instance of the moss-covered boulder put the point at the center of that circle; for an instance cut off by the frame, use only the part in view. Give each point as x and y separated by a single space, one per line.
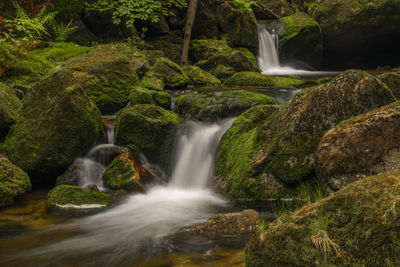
141 95
199 77
364 145
14 182
235 223
216 56
233 164
170 45
170 73
106 75
152 81
256 79
360 33
302 39
356 226
214 105
10 106
58 122
127 173
392 79
69 195
150 128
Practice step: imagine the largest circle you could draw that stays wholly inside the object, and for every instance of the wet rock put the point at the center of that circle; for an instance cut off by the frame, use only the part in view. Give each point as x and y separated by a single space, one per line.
170 73
212 105
14 182
363 145
10 107
58 122
199 77
245 222
141 95
74 196
127 173
92 187
70 177
150 128
357 225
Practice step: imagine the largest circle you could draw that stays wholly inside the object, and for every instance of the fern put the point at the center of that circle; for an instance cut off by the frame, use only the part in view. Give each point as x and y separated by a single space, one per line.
61 32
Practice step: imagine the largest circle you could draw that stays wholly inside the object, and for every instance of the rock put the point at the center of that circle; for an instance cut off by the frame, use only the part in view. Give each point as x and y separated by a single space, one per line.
74 196
272 9
150 128
69 177
152 81
127 173
355 226
141 95
247 78
198 77
224 19
236 223
212 105
106 75
302 39
170 73
14 182
214 55
233 168
58 122
364 145
170 44
92 187
10 107
392 79
360 33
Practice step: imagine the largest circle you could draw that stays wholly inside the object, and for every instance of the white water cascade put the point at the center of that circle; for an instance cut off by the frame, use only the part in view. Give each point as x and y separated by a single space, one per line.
144 221
268 56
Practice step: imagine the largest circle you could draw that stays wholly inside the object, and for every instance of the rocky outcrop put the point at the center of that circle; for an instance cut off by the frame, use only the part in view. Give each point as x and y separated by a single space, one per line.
361 33
10 106
211 105
14 182
357 225
364 145
150 128
58 122
245 222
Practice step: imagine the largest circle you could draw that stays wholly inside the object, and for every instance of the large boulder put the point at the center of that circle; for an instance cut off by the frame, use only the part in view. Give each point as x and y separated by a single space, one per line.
141 95
58 122
212 105
392 79
359 33
127 173
150 128
364 145
107 75
170 73
287 140
356 226
301 40
10 106
74 196
226 19
14 182
219 58
199 77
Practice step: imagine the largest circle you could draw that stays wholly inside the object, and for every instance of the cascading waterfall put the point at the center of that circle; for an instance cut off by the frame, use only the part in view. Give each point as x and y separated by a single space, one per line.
144 221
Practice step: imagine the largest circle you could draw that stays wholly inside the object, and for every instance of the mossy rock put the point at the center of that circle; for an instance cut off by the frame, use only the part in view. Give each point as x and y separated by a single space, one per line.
214 105
126 173
150 128
361 146
14 182
356 226
58 122
106 75
199 77
302 39
38 62
10 107
66 195
170 44
233 163
392 79
170 73
152 81
255 79
141 95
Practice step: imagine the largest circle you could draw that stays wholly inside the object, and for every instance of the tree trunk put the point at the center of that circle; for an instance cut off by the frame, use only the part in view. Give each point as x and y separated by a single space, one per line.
191 15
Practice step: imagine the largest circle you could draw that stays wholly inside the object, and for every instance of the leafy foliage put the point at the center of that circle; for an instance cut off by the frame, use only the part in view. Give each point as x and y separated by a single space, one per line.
62 31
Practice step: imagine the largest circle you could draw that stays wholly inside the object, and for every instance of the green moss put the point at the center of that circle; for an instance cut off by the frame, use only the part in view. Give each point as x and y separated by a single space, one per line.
292 81
172 75
13 182
211 105
250 79
199 77
248 54
50 134
74 195
144 96
150 128
152 82
121 175
10 107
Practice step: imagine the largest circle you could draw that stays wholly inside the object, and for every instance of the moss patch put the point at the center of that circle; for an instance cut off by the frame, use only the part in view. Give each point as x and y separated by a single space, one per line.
74 195
145 96
170 73
200 77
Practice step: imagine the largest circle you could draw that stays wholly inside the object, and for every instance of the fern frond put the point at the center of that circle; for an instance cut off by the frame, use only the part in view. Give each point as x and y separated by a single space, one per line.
19 12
